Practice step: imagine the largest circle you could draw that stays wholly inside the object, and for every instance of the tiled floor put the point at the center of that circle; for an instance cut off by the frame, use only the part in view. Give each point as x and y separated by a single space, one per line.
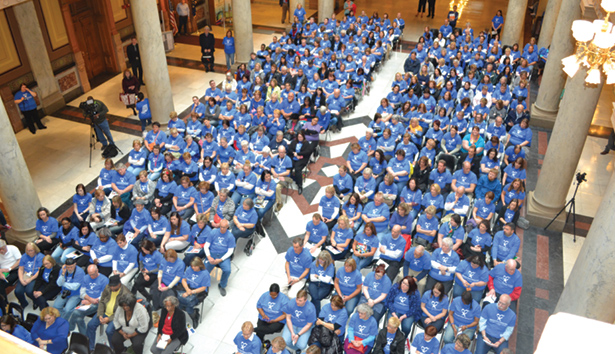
55 174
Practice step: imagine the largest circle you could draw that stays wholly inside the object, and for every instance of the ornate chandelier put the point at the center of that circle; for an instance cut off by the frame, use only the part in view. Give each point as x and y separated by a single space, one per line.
595 42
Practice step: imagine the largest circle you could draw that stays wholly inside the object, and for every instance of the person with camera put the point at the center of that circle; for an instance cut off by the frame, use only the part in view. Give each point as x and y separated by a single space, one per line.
71 278
97 112
106 309
24 99
91 290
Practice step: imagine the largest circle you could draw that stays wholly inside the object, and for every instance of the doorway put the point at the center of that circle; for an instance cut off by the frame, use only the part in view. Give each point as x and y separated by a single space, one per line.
88 34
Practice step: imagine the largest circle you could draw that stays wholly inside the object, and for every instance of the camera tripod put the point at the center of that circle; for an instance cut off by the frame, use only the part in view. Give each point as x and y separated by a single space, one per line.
93 140
571 205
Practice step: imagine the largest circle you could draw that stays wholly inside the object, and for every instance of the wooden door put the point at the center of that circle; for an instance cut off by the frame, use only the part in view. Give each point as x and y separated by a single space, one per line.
90 43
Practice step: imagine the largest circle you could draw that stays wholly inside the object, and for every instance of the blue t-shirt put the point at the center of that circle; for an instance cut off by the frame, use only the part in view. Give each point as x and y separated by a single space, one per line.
397 166
48 227
122 182
94 287
498 321
152 261
504 247
465 180
339 317
373 211
425 347
457 234
341 235
82 201
252 345
31 264
301 315
246 216
298 263
219 243
273 308
480 239
317 232
229 45
348 282
394 247
427 225
171 270
450 349
464 314
328 206
124 257
182 230
28 104
447 260
198 279
433 305
504 283
418 264
362 329
101 249
376 287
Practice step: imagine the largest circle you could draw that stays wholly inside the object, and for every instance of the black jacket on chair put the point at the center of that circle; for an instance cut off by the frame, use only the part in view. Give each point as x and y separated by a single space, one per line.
397 346
306 151
178 325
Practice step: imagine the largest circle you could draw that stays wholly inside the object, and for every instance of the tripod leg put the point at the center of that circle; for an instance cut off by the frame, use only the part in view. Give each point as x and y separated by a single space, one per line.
574 221
556 215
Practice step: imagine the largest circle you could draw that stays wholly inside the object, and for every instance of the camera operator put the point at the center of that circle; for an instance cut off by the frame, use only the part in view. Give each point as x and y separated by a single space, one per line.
97 112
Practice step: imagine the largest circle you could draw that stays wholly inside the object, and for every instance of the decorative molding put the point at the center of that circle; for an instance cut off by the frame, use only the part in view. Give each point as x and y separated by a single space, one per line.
8 3
9 59
68 80
52 14
118 11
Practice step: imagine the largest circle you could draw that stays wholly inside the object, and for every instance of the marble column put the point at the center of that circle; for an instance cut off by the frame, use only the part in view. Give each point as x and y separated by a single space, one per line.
242 26
565 146
48 89
590 290
153 59
548 23
514 22
16 188
325 9
544 110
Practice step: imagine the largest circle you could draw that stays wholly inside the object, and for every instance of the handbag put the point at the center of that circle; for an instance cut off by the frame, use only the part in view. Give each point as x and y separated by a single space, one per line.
128 99
360 348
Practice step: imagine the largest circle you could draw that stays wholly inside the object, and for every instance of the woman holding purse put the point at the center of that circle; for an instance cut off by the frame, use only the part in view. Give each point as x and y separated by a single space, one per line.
130 87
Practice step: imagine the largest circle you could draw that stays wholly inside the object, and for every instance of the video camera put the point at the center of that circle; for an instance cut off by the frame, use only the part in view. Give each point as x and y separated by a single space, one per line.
581 177
89 108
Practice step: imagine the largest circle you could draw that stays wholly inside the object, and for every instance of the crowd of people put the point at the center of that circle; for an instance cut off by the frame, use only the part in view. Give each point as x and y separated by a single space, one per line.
426 204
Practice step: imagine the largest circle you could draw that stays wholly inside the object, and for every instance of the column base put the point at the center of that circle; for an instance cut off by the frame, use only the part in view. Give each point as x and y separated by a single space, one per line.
542 118
53 102
19 238
540 216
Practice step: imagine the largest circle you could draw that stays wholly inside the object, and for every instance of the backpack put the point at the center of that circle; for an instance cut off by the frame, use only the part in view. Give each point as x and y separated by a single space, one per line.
110 151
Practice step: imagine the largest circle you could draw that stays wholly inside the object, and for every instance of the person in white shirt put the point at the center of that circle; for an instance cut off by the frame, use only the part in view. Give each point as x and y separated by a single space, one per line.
9 263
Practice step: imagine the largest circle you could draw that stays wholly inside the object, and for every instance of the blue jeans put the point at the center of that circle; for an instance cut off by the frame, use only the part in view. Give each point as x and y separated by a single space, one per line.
60 255
459 289
230 60
406 323
242 234
224 265
449 336
21 291
318 291
483 348
239 198
67 306
77 318
135 169
103 130
154 176
351 304
363 262
378 308
91 330
262 211
187 303
301 342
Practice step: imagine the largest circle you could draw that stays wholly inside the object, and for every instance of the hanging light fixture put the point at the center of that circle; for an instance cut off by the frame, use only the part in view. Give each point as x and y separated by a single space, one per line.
595 42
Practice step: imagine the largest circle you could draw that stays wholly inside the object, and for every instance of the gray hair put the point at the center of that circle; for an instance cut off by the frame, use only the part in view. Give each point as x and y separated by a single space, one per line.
364 308
448 242
223 191
323 109
249 203
127 299
105 232
279 133
244 143
119 166
172 299
367 170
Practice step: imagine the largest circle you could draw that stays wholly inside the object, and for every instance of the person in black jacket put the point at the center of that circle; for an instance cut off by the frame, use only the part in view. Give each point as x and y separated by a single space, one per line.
396 345
178 335
45 284
207 42
119 212
300 151
134 57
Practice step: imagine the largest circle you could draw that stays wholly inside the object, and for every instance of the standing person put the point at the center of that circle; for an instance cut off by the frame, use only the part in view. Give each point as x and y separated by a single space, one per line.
285 12
497 22
183 11
24 98
229 49
134 57
130 86
207 42
101 124
432 8
145 113
421 10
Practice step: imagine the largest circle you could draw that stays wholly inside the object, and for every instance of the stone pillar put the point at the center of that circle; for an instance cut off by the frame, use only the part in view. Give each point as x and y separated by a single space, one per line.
548 23
565 147
514 22
544 110
48 89
325 9
16 188
590 290
242 25
293 6
153 59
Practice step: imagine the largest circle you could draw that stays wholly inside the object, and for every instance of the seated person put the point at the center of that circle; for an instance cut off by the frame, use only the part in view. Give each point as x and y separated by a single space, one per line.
322 273
135 227
342 182
427 227
341 237
198 234
444 262
478 242
505 279
125 263
46 287
219 247
223 208
365 246
417 264
333 317
144 189
106 309
70 279
392 251
10 325
452 229
179 234
362 330
244 220
195 283
471 274
46 230
390 190
246 341
377 212
50 331
505 245
246 183
434 305
271 316
173 324
463 316
170 273
316 233
123 183
298 261
403 303
461 345
183 198
300 318
457 203
28 271
390 339
329 207
497 323
150 260
131 322
376 287
91 290
426 341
